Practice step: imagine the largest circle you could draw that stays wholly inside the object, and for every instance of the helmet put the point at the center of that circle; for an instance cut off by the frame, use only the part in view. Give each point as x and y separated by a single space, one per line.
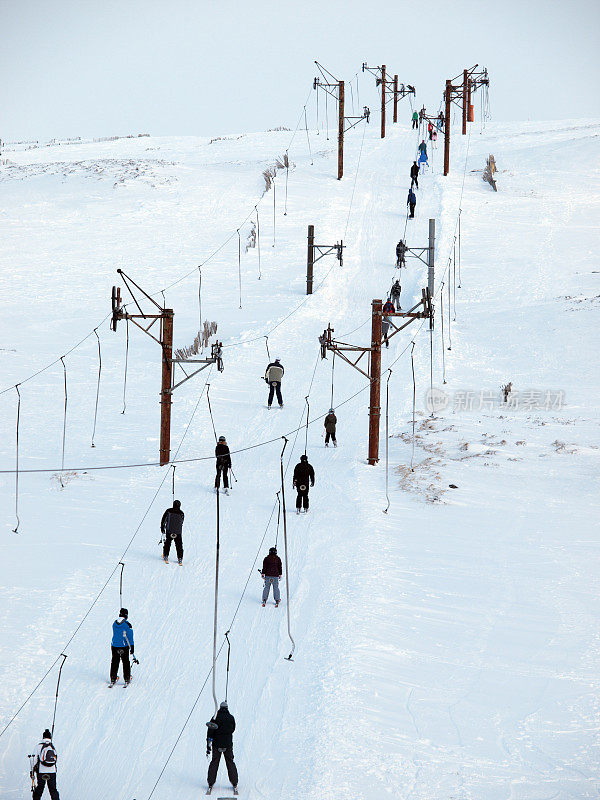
176 503
331 411
224 704
222 439
304 457
273 551
124 613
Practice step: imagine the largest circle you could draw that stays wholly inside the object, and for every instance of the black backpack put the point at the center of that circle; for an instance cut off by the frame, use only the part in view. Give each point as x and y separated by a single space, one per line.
48 755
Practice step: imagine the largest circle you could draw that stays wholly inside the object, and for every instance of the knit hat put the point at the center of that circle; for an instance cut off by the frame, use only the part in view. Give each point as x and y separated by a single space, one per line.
176 503
304 457
224 704
273 550
124 613
46 734
331 411
222 439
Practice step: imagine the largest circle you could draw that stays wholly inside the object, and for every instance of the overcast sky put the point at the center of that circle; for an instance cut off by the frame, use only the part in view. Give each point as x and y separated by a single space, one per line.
81 68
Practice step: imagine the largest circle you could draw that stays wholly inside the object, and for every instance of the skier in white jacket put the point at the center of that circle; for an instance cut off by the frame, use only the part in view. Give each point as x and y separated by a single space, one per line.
44 768
273 376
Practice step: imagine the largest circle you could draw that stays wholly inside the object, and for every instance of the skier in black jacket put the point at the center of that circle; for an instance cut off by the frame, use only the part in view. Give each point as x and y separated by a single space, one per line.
171 525
303 473
219 738
414 175
223 464
400 254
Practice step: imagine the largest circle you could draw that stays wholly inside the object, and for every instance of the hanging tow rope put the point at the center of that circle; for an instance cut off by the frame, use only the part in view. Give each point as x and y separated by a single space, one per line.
442 329
126 360
200 307
210 410
412 366
97 387
278 517
228 658
173 483
317 112
454 275
240 264
332 369
387 438
16 529
307 416
308 138
274 210
64 658
122 565
287 173
62 463
287 571
459 258
214 658
431 362
267 346
258 243
449 323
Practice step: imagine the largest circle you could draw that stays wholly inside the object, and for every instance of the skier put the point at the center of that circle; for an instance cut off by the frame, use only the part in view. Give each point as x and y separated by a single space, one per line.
271 573
171 526
395 293
43 771
430 129
330 423
219 738
414 175
441 120
303 472
423 158
411 202
415 119
273 376
388 308
400 251
223 464
423 147
434 135
121 647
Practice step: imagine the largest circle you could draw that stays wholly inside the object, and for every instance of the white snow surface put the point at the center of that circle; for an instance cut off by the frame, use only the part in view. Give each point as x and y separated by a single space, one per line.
447 649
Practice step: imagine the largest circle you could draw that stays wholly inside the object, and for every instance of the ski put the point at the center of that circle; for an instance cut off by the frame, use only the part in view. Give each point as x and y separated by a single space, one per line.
209 790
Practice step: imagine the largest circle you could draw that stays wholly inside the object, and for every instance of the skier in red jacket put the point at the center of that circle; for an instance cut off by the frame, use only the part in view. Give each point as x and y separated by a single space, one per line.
271 572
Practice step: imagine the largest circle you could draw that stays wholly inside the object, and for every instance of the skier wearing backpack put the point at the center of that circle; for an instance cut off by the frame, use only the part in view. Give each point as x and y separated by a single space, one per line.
223 464
415 119
414 175
330 423
271 573
121 647
273 376
171 526
395 292
411 202
44 768
303 473
423 147
219 739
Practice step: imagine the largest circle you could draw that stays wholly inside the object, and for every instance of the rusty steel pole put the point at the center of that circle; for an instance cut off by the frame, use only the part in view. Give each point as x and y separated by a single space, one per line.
375 373
447 128
341 131
166 340
470 108
383 101
395 98
310 259
464 101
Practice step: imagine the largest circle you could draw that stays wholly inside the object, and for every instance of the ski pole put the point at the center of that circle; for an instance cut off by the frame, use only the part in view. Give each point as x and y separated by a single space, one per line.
233 474
32 772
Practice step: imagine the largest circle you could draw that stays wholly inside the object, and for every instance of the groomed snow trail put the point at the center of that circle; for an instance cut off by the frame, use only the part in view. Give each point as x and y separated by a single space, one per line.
447 649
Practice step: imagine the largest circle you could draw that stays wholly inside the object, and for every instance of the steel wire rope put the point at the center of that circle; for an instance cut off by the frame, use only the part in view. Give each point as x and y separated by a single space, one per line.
64 436
355 178
114 570
240 264
442 330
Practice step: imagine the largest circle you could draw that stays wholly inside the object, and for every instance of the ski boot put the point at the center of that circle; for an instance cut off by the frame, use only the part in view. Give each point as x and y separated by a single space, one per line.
264 603
226 491
180 561
165 559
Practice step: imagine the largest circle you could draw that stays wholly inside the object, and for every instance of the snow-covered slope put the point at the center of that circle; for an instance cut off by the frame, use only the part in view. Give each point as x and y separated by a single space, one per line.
446 649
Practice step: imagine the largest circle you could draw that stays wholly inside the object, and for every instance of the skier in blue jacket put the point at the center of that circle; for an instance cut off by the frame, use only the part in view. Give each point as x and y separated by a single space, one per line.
121 646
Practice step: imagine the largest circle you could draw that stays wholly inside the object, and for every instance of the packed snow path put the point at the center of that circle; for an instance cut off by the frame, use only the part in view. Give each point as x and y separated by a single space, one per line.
446 649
